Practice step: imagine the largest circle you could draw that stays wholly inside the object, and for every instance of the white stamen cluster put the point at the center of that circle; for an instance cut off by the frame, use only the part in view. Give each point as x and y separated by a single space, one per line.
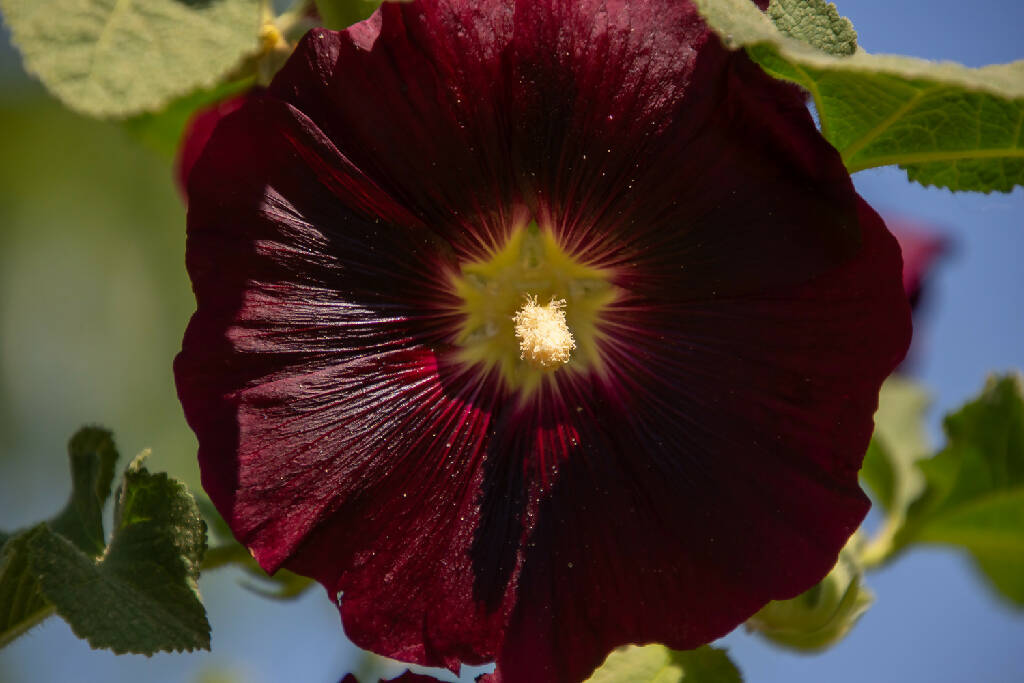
544 337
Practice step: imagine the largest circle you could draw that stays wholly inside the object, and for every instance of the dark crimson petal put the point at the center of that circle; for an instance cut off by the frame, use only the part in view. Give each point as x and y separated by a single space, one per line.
700 142
197 133
922 248
716 468
332 439
415 97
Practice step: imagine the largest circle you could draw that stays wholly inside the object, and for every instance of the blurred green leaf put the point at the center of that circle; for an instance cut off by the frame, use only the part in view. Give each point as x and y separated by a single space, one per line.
340 14
899 441
659 664
22 606
820 617
283 585
93 457
142 595
945 124
116 58
815 22
974 497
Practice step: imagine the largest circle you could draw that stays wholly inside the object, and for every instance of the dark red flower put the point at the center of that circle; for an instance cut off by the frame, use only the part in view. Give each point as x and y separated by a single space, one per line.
922 247
363 242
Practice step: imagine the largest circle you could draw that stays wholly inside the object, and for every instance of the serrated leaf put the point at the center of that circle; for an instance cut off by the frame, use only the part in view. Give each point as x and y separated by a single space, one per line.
945 124
93 457
142 595
659 664
815 22
116 58
974 496
22 606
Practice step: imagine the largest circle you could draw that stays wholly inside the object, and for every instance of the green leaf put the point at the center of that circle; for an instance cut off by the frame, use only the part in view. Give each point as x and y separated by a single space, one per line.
339 14
815 22
22 606
659 664
974 495
142 595
945 124
93 457
899 441
122 57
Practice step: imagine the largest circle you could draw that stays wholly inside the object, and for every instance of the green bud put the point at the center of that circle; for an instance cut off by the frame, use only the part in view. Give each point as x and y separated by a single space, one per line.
821 616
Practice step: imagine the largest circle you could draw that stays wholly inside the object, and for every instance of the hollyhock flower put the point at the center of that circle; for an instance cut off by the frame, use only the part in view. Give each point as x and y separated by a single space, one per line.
531 328
922 248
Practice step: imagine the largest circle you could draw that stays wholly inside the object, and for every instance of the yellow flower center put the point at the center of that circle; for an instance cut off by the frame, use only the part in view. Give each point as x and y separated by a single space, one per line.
529 309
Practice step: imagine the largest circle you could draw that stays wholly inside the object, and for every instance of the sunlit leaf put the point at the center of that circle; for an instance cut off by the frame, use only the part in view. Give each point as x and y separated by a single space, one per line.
974 497
815 22
124 57
945 124
899 441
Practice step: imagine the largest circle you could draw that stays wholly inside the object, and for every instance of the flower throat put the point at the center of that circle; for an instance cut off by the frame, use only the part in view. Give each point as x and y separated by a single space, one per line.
530 309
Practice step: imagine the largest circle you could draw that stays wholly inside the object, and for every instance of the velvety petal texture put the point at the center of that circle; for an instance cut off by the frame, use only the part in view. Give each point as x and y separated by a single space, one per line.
705 465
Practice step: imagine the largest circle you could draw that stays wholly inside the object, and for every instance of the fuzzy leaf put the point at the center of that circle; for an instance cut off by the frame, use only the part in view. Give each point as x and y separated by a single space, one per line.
22 606
116 58
974 496
815 22
945 124
659 664
142 595
93 457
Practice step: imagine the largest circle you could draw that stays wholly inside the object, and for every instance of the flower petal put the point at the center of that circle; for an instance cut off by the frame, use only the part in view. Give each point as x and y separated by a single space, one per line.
716 468
332 438
197 133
